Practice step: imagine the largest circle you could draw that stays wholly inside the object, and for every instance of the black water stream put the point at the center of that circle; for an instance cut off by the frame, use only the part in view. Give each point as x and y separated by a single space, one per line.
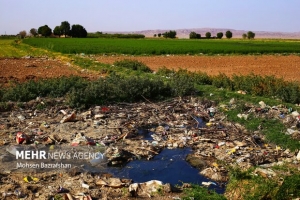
169 167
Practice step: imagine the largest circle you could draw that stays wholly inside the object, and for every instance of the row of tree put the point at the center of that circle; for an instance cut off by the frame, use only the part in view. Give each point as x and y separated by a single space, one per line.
168 34
194 35
249 35
63 30
228 34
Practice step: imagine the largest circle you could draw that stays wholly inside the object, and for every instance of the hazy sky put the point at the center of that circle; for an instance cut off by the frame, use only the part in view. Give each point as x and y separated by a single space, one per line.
135 15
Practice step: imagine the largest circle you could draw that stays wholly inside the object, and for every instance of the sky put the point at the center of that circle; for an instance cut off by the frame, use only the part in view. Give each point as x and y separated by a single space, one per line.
137 15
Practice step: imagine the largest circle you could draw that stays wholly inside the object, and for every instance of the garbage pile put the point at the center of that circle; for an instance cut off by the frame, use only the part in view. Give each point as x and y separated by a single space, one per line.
142 130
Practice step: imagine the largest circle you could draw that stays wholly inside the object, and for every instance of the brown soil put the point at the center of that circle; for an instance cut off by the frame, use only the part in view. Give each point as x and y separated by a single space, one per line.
21 70
280 66
287 67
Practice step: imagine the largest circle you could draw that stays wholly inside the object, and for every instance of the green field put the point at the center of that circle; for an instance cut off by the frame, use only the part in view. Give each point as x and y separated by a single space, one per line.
164 46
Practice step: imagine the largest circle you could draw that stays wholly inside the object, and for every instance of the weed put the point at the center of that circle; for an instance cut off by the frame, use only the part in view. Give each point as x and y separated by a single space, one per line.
198 192
133 65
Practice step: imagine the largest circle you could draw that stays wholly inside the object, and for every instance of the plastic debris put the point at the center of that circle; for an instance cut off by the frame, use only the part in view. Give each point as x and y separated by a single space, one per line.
21 137
30 179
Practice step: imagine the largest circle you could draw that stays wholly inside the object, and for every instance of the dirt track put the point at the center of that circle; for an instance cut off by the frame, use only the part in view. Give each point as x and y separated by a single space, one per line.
280 66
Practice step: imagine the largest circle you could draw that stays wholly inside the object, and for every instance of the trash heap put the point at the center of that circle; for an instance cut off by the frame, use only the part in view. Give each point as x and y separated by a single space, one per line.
129 131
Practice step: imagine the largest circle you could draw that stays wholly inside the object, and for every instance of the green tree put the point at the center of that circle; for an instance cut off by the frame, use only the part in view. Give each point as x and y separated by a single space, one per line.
159 35
33 32
57 31
65 28
207 34
170 34
194 35
250 35
244 36
154 35
78 31
45 31
219 35
228 34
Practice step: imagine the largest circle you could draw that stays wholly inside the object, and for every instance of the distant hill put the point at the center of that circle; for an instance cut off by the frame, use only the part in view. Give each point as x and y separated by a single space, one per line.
184 33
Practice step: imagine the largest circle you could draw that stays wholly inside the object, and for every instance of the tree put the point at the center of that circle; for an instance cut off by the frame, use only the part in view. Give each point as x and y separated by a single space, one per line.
65 28
228 34
22 34
33 32
244 36
207 34
170 34
220 35
194 35
57 31
45 30
250 35
154 35
159 35
78 31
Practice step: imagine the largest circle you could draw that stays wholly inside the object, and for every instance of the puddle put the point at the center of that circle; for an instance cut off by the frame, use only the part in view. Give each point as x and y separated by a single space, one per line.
169 167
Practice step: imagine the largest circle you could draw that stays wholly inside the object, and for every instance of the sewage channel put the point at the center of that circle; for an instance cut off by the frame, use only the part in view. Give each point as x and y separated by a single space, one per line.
169 166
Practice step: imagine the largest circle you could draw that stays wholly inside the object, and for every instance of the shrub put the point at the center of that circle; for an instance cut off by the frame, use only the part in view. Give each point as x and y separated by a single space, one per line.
182 83
223 81
133 65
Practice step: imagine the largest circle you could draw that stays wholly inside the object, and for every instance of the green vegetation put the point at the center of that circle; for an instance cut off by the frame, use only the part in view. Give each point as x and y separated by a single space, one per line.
194 35
198 192
133 65
158 46
228 34
169 34
246 185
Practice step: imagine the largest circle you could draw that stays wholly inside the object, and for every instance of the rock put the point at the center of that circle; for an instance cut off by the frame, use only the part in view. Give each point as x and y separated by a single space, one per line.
265 172
101 182
145 189
196 162
115 183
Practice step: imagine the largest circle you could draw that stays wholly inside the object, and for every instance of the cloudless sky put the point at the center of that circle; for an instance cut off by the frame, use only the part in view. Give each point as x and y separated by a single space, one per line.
137 15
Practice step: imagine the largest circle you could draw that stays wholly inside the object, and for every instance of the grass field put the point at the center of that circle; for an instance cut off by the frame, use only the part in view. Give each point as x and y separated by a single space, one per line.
158 46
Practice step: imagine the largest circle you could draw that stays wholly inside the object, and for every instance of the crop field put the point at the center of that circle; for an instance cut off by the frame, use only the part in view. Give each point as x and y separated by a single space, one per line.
164 46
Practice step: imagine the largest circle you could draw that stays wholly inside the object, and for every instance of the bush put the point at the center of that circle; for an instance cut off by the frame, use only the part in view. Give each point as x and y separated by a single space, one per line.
115 88
223 81
56 87
182 83
133 65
